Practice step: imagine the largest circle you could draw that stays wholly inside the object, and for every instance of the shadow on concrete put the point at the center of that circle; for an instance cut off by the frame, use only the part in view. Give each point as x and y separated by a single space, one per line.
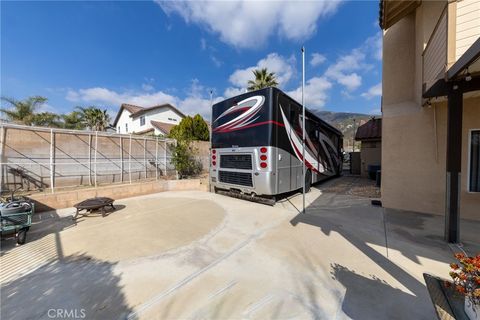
74 285
43 224
357 296
353 234
414 235
39 282
372 298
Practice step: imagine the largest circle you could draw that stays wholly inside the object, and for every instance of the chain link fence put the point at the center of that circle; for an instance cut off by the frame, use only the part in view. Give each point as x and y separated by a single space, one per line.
38 159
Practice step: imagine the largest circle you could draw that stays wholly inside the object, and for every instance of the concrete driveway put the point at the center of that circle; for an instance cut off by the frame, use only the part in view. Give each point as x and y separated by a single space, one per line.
197 255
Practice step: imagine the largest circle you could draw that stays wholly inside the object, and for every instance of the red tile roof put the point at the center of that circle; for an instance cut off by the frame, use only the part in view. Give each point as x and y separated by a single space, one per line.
145 131
162 126
372 130
165 105
132 108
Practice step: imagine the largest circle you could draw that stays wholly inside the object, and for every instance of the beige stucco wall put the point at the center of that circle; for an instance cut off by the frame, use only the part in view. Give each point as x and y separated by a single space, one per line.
413 136
370 154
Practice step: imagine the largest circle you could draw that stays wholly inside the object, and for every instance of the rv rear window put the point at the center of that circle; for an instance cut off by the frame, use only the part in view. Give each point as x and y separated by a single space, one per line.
474 178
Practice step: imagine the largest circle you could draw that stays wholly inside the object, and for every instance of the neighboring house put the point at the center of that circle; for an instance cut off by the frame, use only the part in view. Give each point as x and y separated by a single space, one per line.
158 120
370 135
431 108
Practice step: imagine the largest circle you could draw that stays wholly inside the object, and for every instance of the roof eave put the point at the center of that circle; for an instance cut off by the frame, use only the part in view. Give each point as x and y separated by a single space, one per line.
394 10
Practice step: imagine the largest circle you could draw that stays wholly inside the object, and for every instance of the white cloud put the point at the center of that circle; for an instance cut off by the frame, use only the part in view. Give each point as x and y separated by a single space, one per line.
316 90
317 59
197 99
374 45
342 70
203 43
231 92
351 81
147 87
106 96
248 24
348 68
376 111
281 66
374 91
217 62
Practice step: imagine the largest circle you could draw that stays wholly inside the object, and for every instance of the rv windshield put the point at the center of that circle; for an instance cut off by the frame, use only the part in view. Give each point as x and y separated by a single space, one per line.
242 121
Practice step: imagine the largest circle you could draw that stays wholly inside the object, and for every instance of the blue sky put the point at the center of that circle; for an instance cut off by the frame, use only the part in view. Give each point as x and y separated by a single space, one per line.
147 53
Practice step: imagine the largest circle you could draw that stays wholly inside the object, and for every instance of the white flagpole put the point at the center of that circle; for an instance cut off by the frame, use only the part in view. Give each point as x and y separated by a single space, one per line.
303 124
210 138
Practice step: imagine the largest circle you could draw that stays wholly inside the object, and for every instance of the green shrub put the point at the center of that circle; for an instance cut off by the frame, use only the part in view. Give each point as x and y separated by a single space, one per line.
191 129
183 158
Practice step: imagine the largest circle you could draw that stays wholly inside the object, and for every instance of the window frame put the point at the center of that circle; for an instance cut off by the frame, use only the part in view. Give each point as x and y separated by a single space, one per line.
469 162
142 118
126 127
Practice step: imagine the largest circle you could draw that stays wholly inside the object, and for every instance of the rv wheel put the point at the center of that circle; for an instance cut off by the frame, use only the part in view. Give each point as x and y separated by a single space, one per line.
308 181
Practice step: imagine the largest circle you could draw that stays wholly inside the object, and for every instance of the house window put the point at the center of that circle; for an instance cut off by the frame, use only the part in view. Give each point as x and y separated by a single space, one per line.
171 119
474 178
126 127
142 120
118 129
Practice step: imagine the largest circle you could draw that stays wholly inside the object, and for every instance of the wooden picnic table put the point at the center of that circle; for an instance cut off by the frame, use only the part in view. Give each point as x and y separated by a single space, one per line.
94 204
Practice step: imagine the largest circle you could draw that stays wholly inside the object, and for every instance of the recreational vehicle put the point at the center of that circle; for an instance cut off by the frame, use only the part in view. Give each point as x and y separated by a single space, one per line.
256 150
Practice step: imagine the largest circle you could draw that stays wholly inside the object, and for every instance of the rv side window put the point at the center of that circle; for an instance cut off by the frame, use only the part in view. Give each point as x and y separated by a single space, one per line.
292 116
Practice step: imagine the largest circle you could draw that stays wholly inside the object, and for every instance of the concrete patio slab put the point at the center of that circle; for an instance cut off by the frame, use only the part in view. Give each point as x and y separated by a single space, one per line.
206 256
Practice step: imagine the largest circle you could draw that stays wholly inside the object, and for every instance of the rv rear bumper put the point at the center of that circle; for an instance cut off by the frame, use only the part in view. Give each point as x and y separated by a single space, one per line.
263 183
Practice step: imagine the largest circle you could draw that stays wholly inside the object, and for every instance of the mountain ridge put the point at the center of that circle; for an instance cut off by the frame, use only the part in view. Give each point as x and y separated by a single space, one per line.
346 122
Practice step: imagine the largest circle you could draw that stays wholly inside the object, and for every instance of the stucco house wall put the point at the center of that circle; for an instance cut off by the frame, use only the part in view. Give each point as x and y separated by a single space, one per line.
124 119
165 115
413 135
370 154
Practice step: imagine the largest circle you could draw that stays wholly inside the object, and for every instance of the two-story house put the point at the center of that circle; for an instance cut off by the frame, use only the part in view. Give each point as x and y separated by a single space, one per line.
431 108
156 120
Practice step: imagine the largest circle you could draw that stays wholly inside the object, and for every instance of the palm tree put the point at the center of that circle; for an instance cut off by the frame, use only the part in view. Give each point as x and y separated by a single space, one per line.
22 111
73 120
263 79
46 119
94 118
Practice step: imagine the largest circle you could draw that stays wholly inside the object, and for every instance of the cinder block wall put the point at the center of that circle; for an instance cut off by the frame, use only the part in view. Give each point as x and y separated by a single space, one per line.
67 199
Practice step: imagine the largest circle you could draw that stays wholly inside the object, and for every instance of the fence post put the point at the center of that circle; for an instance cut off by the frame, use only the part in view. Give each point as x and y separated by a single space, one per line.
3 135
156 158
90 159
95 162
121 159
145 156
52 161
165 158
130 159
176 171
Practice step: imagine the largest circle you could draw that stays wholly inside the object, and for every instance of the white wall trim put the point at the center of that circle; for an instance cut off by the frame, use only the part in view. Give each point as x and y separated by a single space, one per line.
469 155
